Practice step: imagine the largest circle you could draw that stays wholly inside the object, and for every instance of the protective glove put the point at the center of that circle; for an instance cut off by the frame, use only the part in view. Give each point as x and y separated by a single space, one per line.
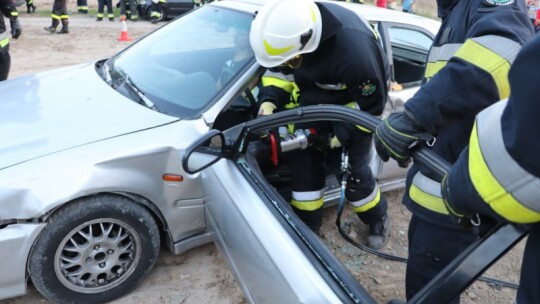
266 108
16 29
397 135
323 140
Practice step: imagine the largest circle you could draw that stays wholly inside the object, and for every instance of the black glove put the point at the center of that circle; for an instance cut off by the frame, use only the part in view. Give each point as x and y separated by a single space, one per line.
16 29
480 225
319 140
397 135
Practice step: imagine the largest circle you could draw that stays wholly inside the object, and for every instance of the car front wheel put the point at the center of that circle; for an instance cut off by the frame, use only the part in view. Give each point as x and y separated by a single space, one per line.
94 250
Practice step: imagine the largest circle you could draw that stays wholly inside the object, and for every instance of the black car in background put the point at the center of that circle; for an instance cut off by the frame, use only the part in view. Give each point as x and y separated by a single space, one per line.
171 8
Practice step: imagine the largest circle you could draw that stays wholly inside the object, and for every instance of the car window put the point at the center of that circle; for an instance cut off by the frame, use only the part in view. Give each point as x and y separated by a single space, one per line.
181 66
410 47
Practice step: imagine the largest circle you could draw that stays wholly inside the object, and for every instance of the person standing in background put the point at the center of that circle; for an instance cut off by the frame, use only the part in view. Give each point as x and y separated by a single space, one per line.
128 9
82 6
101 7
7 9
408 6
30 7
59 13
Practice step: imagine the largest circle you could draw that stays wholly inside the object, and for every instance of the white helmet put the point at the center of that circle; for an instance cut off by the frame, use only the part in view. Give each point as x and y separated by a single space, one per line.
284 29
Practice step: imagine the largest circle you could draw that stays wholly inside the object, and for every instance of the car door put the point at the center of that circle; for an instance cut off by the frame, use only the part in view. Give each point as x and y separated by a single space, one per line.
276 258
407 47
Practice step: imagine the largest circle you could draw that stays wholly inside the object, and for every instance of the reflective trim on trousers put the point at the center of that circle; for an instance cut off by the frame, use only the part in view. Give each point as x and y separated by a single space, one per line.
367 203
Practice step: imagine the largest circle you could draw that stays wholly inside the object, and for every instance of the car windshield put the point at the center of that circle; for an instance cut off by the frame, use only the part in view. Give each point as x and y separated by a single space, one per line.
181 67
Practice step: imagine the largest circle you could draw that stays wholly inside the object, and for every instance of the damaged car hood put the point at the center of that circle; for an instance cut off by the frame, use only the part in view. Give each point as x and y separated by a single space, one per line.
44 113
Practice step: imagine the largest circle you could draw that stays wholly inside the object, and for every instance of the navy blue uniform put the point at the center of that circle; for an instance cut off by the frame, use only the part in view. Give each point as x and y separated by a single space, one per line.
348 66
505 151
466 72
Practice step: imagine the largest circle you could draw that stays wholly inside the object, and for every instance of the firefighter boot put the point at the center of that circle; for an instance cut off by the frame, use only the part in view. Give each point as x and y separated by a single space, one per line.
64 29
378 233
50 29
30 8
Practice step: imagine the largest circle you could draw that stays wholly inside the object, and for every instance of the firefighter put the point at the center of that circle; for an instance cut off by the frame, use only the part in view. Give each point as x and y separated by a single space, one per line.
466 72
333 57
128 9
59 14
101 8
498 174
156 10
30 7
82 6
8 9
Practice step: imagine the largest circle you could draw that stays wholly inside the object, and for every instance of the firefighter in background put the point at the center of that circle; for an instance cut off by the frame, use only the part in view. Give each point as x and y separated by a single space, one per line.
82 6
59 14
319 44
8 9
101 8
466 72
30 7
128 9
498 174
156 10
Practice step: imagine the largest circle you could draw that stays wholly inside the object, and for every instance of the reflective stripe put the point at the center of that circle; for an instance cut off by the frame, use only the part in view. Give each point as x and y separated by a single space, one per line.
443 52
277 82
332 87
307 195
307 200
367 203
4 39
501 182
427 193
14 14
55 16
275 51
434 68
354 105
439 56
493 54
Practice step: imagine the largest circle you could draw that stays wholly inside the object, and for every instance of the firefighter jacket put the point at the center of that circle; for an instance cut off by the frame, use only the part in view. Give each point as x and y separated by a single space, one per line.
349 65
466 72
8 9
499 173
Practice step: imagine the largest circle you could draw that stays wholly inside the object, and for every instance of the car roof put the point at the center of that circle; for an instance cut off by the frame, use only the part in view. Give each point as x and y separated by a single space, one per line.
370 12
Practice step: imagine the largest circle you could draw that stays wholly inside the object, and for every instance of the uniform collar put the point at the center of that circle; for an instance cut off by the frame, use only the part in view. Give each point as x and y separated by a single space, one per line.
444 7
330 23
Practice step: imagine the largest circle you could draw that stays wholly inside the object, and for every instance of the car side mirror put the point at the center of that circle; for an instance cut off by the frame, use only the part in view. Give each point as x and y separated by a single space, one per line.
204 152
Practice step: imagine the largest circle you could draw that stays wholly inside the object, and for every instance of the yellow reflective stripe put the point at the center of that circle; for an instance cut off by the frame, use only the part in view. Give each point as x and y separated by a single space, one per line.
275 51
433 68
354 105
370 204
14 14
55 16
4 39
277 82
491 191
313 15
426 200
489 61
308 205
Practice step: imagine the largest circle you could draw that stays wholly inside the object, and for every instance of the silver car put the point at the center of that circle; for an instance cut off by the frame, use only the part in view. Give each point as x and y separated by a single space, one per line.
91 176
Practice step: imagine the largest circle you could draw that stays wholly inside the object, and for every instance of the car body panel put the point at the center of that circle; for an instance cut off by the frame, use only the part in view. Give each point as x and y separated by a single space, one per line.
46 125
15 244
68 134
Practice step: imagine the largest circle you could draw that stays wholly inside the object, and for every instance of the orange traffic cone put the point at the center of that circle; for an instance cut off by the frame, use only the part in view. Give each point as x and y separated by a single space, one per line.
124 33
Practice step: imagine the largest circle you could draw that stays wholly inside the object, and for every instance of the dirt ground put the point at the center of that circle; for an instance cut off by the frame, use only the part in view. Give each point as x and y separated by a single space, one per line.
201 275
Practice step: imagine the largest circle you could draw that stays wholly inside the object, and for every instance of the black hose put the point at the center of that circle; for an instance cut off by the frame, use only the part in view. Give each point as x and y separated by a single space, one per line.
397 258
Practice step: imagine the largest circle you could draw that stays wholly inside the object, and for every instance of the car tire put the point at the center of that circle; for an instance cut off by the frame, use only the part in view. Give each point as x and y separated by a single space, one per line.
94 250
163 12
